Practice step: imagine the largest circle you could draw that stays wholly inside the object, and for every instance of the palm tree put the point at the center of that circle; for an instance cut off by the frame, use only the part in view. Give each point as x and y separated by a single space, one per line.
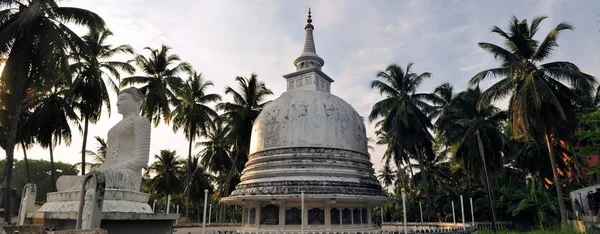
445 92
34 37
241 114
540 105
405 113
25 137
166 168
387 175
50 120
467 125
93 75
199 181
98 156
216 150
161 70
193 114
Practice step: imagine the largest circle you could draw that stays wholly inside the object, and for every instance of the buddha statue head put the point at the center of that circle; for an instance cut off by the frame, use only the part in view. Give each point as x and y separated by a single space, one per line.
130 101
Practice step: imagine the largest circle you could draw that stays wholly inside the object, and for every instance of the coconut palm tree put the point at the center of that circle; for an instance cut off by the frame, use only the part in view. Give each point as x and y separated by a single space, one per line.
98 156
93 75
50 119
166 168
192 113
540 105
162 70
468 126
216 150
445 92
34 37
199 181
240 114
25 137
404 113
387 175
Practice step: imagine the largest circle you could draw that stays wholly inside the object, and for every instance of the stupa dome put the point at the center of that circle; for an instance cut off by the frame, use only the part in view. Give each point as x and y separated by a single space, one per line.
308 141
304 118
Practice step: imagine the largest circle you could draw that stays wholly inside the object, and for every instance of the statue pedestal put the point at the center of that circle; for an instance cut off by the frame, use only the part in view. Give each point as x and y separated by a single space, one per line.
122 212
115 200
113 222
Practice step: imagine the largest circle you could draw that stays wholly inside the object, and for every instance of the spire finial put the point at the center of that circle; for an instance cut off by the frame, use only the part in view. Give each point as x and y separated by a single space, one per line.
309 20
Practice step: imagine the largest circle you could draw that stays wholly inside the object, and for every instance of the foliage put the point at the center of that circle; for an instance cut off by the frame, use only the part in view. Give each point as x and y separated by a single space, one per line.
162 70
40 175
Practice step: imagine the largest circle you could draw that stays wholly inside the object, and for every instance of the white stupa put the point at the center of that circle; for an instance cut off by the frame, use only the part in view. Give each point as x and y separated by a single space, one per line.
313 142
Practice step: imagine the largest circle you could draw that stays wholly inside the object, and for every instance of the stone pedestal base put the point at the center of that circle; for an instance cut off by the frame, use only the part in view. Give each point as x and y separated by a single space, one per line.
115 200
122 212
117 223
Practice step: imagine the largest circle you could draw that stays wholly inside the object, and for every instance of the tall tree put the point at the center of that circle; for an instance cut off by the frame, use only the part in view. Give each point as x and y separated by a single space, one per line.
33 38
199 180
477 134
25 137
162 70
98 156
166 167
241 113
216 150
52 112
387 176
193 114
93 74
405 114
540 105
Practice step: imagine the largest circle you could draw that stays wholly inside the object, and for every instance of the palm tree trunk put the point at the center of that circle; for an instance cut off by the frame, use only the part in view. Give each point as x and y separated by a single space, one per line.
52 170
229 178
423 176
189 173
487 180
85 134
10 156
557 183
26 162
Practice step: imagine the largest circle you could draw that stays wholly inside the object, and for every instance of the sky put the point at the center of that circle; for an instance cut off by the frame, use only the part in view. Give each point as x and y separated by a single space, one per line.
224 39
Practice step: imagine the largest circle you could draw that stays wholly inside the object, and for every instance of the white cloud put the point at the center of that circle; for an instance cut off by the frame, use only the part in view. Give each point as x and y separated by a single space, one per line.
224 39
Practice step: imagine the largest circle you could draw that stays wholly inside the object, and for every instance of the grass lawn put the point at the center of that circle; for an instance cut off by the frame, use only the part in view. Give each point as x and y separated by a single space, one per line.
530 232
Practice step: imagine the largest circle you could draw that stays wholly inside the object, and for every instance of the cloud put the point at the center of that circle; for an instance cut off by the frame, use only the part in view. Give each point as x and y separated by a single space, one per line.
225 39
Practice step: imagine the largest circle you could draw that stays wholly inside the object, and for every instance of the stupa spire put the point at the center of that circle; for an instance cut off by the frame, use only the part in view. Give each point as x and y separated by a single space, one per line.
309 57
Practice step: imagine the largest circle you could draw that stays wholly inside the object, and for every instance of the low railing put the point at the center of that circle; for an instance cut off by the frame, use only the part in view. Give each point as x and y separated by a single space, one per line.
444 231
505 225
180 225
448 228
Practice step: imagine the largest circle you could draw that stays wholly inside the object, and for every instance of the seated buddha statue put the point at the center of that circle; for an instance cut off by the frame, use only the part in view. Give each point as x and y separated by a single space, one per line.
127 148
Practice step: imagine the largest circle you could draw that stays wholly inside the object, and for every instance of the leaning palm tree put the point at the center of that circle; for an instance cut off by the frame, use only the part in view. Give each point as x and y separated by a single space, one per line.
93 74
166 167
34 37
162 70
193 114
241 114
50 120
540 105
405 113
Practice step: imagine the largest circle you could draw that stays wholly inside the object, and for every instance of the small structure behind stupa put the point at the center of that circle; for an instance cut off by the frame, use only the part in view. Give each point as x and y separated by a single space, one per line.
308 145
